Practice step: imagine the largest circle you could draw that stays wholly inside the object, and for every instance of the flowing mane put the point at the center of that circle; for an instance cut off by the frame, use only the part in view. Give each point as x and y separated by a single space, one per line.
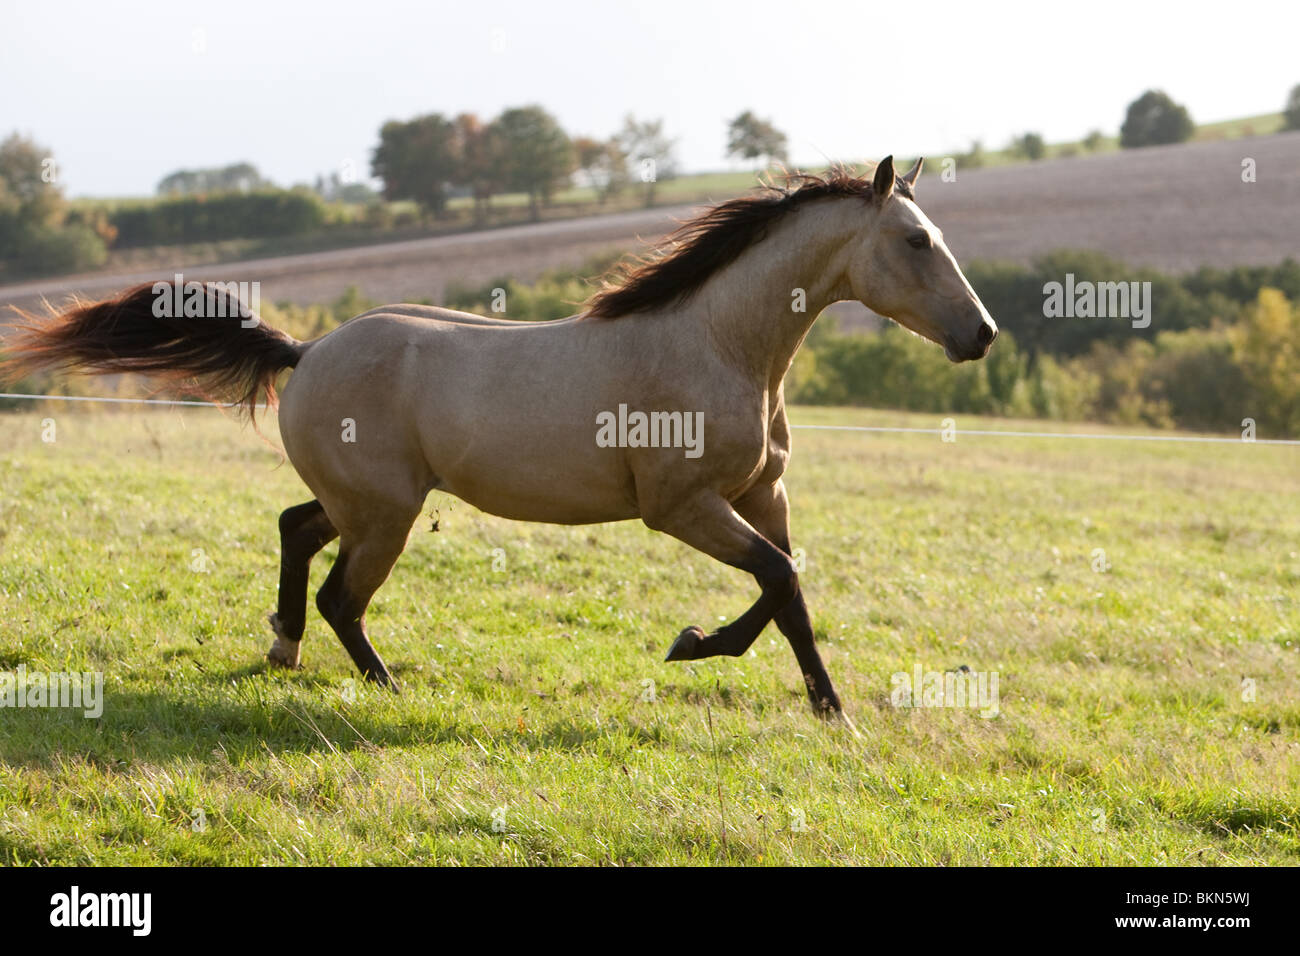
697 249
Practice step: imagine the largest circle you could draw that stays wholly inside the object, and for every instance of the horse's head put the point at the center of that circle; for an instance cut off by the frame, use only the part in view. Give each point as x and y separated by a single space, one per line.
903 270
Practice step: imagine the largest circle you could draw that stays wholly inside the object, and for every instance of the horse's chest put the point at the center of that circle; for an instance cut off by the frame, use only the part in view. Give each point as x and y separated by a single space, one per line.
760 460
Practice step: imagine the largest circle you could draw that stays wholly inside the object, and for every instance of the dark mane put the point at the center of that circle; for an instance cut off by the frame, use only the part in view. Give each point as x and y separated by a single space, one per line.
686 259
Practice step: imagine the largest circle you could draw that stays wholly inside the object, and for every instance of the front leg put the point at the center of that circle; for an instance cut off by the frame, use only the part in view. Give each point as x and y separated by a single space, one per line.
708 523
767 508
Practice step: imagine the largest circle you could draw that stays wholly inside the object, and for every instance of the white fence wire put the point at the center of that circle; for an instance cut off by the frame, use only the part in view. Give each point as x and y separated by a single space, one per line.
990 433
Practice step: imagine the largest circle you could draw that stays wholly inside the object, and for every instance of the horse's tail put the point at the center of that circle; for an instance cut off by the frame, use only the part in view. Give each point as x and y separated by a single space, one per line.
219 350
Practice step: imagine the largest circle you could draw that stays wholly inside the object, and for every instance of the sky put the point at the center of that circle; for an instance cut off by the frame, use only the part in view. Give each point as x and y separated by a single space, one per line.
124 93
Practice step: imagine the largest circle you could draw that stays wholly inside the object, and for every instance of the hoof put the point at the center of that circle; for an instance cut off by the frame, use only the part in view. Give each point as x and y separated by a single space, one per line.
383 679
828 708
283 652
825 702
686 646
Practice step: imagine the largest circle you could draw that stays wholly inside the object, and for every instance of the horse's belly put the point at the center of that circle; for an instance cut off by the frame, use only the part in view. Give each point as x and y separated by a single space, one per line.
572 502
543 473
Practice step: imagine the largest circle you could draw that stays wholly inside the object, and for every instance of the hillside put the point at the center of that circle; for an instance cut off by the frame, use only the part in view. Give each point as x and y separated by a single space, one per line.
1171 207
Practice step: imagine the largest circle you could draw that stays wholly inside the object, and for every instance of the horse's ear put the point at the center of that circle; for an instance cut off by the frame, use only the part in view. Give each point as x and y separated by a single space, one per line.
882 186
911 175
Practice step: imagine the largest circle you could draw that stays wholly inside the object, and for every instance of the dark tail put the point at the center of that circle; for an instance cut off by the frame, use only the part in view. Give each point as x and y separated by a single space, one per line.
225 353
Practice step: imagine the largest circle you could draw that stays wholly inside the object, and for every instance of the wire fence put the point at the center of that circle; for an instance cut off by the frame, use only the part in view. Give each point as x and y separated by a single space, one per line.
985 432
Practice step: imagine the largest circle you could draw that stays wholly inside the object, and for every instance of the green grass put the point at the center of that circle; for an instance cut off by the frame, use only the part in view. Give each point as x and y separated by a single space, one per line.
1123 736
1265 124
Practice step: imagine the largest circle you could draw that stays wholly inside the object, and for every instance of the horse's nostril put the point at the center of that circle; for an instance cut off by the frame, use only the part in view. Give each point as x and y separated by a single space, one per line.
986 334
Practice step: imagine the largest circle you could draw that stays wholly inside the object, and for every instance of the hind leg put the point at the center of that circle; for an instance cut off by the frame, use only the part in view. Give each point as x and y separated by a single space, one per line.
366 556
304 530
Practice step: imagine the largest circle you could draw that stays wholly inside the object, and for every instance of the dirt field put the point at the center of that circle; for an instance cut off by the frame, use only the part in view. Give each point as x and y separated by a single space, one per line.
1174 208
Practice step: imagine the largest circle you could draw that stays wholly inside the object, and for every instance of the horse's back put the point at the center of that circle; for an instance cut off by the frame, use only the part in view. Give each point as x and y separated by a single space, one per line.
453 405
436 313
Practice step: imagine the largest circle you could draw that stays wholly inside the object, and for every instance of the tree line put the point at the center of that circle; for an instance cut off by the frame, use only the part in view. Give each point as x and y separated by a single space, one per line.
428 160
432 158
1153 119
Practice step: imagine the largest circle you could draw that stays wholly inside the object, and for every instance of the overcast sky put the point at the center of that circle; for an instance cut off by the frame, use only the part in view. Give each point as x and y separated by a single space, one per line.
124 93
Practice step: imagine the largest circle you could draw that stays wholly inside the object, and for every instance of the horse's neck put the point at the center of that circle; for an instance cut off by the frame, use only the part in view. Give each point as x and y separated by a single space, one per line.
761 306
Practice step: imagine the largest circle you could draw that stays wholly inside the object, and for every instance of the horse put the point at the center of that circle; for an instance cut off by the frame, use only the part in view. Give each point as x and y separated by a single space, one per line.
509 415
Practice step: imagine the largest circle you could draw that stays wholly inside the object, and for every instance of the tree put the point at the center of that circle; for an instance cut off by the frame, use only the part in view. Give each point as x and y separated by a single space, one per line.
535 153
1029 145
477 150
1154 119
604 164
750 137
1094 140
974 157
1267 346
417 160
36 232
1292 112
332 188
28 170
649 151
238 177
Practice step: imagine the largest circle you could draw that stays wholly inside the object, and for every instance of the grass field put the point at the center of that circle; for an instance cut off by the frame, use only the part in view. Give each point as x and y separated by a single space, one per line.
539 725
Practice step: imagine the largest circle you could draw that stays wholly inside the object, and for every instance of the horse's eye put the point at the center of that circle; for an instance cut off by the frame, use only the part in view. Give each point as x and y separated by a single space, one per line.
919 241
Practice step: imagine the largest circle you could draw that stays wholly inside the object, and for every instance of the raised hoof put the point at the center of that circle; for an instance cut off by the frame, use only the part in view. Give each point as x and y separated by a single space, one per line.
687 645
283 652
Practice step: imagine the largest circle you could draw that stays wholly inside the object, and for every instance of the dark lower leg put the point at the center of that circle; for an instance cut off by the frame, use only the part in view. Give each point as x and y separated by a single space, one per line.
794 622
304 530
345 610
768 511
710 524
736 638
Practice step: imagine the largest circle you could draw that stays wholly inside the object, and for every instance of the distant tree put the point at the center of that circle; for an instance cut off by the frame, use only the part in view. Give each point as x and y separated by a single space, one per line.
649 152
587 153
750 137
974 157
604 164
477 149
29 175
37 234
417 160
1094 140
332 188
27 203
1292 112
1267 344
535 153
236 178
1029 145
1154 119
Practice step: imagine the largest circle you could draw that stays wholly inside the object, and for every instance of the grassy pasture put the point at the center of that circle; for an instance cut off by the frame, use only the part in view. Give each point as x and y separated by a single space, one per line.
143 545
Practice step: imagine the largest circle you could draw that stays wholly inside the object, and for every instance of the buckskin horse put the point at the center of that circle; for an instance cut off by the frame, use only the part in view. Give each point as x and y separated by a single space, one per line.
503 414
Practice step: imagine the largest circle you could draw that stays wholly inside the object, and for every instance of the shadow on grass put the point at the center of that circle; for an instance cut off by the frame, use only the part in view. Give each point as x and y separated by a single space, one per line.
243 712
